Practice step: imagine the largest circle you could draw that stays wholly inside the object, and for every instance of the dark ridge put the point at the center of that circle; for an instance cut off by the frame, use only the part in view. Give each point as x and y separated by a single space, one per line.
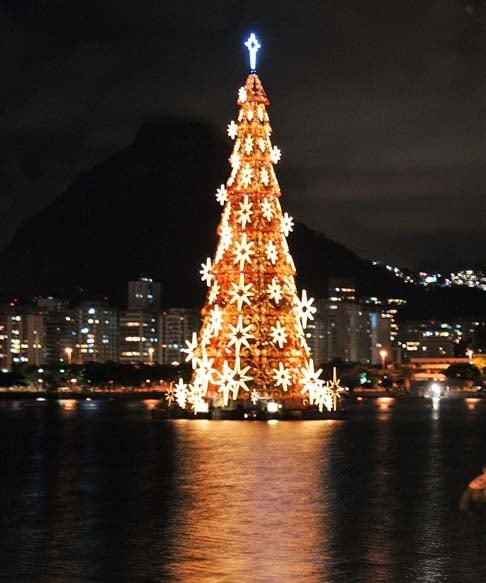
150 209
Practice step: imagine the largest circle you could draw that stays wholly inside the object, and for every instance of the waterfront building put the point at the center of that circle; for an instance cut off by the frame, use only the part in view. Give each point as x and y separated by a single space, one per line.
21 336
139 324
97 333
176 327
138 337
428 338
61 330
348 331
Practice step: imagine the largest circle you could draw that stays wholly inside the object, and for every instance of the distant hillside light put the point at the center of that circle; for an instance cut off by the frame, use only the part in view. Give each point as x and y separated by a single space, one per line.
252 45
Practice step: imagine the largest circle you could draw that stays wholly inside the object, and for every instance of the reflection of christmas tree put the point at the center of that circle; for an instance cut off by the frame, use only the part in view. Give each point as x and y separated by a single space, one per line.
251 347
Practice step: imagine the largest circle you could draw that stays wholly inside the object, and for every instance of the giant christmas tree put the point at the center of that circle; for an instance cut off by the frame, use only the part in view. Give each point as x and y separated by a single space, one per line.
251 350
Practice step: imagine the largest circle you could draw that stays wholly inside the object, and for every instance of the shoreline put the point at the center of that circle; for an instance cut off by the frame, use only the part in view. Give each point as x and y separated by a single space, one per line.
81 395
158 394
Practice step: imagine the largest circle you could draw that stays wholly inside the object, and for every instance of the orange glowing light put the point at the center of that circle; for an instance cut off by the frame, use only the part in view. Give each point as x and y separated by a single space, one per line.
384 403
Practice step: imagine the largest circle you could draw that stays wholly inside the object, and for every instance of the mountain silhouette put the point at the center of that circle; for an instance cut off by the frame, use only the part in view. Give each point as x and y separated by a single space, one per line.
150 210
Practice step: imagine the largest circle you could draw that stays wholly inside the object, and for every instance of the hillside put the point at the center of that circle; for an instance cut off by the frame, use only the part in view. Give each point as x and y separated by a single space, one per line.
150 209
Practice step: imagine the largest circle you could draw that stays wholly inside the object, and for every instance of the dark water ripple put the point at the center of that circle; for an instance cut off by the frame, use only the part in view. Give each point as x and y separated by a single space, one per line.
95 492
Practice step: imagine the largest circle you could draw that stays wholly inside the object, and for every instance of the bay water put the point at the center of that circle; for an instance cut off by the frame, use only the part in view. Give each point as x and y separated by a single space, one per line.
96 491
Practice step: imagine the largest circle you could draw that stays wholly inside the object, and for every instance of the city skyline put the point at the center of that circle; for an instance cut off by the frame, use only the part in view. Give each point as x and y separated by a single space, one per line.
375 108
351 329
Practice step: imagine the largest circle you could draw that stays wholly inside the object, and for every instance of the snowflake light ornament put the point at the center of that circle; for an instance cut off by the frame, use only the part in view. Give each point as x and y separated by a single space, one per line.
262 144
235 161
305 309
309 374
254 396
271 252
278 334
169 395
323 396
204 369
226 235
205 272
222 195
240 335
180 392
241 292
275 154
264 176
191 349
245 211
310 379
240 378
225 382
274 290
243 251
246 175
287 224
216 319
195 396
282 376
242 95
267 209
248 145
232 130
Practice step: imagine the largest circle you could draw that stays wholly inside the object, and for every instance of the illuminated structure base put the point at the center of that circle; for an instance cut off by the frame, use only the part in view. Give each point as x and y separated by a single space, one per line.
323 402
244 409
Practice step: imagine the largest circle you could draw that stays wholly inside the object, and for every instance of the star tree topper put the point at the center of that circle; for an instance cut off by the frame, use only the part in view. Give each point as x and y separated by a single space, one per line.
252 45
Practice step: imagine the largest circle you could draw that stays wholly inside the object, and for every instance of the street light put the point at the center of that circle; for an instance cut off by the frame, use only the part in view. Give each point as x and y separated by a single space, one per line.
383 355
151 355
69 353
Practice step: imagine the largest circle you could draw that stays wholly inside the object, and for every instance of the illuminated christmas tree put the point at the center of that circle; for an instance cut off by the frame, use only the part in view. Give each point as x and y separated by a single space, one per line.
251 350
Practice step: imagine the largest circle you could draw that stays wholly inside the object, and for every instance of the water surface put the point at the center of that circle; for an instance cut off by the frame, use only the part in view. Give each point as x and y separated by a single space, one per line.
96 491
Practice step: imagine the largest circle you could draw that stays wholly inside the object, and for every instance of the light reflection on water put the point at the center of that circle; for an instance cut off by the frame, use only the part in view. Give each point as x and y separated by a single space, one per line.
95 491
242 513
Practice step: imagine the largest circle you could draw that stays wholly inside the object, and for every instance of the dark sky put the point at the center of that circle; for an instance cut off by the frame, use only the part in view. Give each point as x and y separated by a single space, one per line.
377 106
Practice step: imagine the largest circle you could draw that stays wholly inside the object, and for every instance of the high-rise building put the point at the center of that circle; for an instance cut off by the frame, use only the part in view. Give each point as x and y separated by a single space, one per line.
138 337
139 324
144 294
340 330
434 338
61 330
176 327
22 336
97 328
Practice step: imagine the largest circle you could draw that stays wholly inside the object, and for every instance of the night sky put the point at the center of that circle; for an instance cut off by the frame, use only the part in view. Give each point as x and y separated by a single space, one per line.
377 106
